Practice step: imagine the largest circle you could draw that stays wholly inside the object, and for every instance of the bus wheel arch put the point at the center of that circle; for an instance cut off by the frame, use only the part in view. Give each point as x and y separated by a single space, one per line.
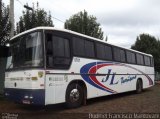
77 86
139 85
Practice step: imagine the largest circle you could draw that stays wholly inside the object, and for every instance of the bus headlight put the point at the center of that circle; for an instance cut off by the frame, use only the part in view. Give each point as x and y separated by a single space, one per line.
31 97
6 94
26 96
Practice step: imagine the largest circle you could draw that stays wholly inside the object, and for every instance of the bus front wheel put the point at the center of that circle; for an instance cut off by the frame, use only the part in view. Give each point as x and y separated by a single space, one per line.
74 95
139 86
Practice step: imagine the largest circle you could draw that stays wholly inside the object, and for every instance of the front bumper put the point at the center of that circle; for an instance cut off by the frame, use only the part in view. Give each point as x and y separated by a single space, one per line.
26 96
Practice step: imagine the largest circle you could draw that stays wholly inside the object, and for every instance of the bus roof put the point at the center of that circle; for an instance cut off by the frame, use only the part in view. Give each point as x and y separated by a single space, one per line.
75 33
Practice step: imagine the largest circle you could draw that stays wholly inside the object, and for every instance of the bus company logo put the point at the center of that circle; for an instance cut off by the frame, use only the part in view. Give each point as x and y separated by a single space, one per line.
91 79
123 79
88 73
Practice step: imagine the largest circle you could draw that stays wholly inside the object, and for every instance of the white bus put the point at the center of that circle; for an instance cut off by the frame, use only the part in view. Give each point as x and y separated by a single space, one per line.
51 66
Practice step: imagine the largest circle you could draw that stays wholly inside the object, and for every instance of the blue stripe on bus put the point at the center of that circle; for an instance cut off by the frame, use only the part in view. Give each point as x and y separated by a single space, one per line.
18 95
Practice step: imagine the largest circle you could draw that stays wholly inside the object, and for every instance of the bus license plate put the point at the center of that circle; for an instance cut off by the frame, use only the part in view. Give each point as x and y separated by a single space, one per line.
26 102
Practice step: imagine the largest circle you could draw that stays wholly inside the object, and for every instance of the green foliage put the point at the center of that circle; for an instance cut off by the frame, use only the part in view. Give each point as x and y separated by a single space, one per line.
149 44
85 24
4 24
31 19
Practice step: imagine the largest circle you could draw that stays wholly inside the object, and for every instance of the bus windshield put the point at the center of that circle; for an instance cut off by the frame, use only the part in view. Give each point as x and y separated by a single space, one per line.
26 51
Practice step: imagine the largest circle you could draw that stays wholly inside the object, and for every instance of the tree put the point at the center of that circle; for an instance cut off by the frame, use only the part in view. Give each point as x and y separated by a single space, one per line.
31 19
149 44
85 24
4 24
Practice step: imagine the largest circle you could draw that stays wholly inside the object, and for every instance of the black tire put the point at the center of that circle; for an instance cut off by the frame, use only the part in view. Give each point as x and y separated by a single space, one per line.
139 86
74 96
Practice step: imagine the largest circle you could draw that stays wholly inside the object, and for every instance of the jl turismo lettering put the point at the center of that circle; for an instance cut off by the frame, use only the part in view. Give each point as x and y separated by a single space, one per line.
123 79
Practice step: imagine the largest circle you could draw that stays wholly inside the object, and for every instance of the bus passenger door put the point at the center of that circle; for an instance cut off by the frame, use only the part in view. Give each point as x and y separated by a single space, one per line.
58 60
49 90
55 88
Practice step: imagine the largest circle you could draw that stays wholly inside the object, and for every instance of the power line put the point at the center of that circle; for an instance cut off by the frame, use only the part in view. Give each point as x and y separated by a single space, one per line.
32 9
58 19
20 2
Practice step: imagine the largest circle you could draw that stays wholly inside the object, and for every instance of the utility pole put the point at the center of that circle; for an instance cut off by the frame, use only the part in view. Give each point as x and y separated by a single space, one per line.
0 9
11 17
0 20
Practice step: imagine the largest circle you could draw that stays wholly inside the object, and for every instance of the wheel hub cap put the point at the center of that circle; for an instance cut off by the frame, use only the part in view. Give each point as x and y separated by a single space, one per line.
74 95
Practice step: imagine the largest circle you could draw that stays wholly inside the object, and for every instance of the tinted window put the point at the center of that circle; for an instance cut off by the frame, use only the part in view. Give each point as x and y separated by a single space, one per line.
116 53
58 52
49 50
147 61
83 47
103 51
27 51
152 61
123 57
60 47
89 49
78 46
49 44
131 57
119 55
100 51
108 52
140 59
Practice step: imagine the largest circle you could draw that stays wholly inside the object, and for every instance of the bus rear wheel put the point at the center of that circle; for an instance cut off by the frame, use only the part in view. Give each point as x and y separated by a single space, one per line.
139 86
74 95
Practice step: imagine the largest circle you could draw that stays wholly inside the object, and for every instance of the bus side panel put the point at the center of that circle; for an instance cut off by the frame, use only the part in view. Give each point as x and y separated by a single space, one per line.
113 82
150 72
109 77
101 78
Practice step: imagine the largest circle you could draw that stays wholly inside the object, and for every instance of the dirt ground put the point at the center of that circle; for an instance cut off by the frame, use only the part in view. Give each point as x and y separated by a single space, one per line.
130 102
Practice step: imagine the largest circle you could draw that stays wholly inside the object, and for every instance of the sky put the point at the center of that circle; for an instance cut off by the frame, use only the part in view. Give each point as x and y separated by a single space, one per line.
121 20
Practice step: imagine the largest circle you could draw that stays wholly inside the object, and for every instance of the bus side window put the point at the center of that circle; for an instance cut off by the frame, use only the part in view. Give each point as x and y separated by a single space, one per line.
119 54
61 52
57 51
49 50
131 57
152 61
147 61
140 59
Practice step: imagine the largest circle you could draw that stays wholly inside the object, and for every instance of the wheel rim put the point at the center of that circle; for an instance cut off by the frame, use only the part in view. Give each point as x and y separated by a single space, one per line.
74 95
